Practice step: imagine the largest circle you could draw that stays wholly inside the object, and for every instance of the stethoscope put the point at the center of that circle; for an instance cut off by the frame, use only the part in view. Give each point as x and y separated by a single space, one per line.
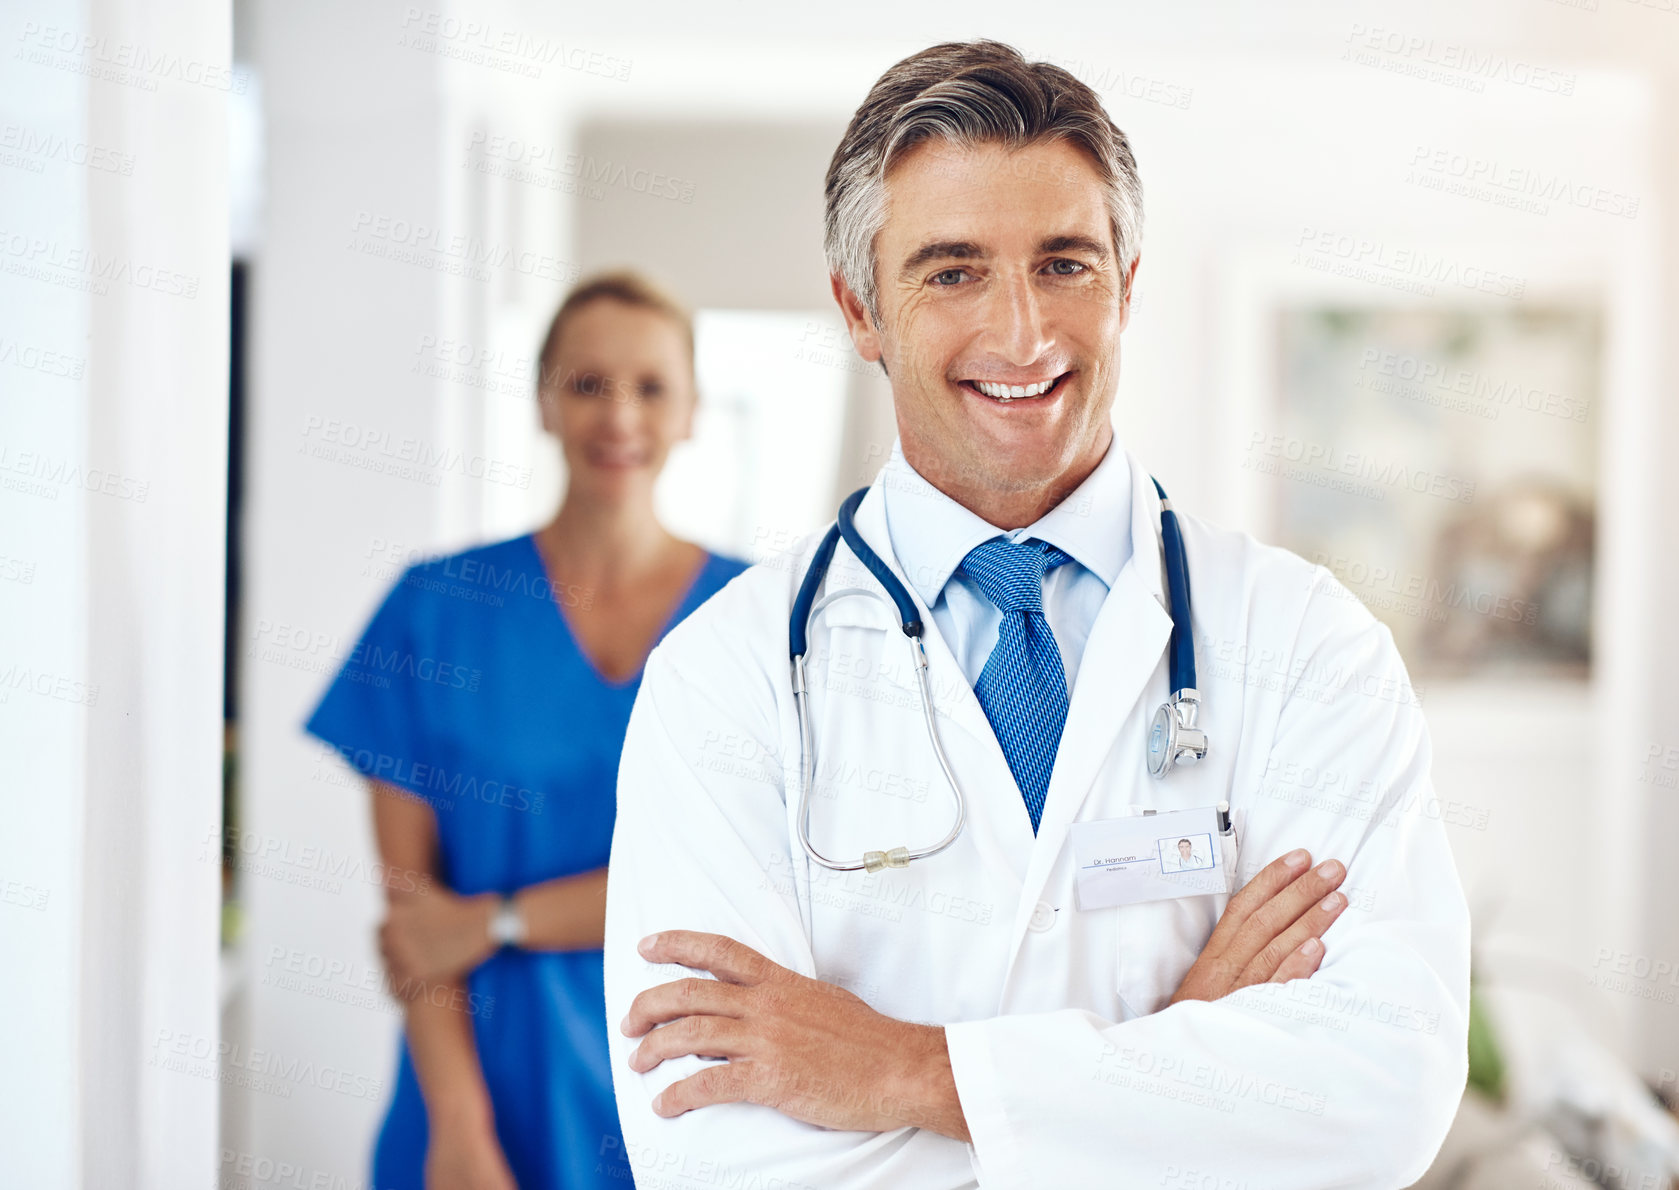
1173 737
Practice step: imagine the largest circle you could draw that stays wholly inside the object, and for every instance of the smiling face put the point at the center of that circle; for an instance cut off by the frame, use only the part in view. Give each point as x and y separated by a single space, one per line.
618 392
1000 309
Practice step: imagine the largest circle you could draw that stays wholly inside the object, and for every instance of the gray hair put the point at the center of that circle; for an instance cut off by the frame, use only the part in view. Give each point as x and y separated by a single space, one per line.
968 93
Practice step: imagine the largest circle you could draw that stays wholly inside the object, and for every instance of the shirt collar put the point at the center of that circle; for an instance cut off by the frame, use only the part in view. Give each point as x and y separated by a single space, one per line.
931 533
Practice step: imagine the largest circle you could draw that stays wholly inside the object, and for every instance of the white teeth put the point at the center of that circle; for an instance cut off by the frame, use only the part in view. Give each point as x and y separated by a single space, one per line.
1011 392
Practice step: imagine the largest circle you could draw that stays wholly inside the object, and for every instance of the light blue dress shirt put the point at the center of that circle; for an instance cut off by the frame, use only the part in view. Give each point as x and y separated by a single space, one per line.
931 534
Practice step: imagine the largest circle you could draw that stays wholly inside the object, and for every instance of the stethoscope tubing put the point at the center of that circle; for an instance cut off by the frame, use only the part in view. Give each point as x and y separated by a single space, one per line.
1180 662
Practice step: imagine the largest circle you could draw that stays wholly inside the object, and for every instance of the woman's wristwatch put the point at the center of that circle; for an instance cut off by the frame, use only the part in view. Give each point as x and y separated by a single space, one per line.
507 927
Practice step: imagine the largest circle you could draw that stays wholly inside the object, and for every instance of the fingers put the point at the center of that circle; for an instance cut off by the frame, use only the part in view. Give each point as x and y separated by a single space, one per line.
391 952
1301 962
723 1083
702 1036
728 960
1282 911
1272 879
400 948
680 998
1311 926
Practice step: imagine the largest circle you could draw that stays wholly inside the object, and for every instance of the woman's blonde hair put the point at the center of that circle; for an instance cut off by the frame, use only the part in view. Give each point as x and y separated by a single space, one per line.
620 285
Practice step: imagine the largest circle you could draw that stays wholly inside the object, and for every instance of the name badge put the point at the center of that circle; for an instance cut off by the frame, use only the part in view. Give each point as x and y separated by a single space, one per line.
1153 857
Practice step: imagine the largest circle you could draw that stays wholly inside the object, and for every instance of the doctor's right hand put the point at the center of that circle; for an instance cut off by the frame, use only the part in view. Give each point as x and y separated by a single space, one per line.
1271 930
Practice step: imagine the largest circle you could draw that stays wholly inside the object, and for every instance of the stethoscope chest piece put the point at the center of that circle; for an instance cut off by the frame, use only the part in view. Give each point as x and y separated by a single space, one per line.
1173 737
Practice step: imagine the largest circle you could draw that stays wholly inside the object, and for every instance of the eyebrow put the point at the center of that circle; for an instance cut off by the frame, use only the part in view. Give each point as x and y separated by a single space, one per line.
942 250
968 250
1075 243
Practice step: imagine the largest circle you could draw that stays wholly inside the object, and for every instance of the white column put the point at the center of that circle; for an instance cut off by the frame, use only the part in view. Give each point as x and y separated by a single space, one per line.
113 425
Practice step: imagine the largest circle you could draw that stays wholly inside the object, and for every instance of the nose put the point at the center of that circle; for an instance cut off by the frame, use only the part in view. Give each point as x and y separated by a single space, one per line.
1016 320
622 413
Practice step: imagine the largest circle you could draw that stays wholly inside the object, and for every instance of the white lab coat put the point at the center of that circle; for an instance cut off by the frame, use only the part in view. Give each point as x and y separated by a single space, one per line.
1069 1071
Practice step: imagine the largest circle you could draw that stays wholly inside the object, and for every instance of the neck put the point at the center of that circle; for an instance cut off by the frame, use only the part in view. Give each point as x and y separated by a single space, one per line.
596 540
1013 508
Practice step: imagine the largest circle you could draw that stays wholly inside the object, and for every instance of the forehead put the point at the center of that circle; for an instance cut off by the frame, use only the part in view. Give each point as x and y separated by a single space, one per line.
991 194
607 326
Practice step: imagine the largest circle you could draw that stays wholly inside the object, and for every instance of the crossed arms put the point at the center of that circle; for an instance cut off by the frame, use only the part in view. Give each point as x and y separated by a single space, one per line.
819 1089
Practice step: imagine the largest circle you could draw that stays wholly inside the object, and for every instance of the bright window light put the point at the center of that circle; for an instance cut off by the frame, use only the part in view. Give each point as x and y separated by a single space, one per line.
762 467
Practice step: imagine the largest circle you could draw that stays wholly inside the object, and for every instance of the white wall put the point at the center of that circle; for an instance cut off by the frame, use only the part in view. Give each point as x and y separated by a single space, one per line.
1522 756
113 212
1248 125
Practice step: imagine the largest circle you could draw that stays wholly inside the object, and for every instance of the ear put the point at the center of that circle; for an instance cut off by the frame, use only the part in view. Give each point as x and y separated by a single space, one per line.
864 335
1130 293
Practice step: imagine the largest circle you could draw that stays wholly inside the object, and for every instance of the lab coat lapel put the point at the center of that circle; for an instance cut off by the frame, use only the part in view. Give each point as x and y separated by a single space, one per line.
1125 648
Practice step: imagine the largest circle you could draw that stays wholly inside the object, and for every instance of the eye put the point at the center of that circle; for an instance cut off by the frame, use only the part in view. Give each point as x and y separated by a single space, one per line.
946 278
650 389
1062 267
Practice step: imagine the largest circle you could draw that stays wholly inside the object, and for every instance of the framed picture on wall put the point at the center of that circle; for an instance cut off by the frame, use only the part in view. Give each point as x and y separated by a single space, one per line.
1442 463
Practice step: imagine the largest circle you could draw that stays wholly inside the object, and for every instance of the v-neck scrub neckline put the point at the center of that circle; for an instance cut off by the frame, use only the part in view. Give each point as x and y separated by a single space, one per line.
679 612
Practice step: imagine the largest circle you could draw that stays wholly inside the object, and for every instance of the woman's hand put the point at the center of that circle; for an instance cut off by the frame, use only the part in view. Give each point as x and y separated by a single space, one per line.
466 1157
435 934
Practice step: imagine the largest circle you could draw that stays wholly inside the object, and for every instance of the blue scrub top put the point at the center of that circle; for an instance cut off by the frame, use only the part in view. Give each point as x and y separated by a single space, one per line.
469 690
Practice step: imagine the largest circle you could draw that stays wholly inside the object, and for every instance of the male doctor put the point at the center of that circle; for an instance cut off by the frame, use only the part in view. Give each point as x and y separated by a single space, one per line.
974 1019
1186 859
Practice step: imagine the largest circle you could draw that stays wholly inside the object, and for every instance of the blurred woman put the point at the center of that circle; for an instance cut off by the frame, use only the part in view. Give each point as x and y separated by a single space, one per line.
487 703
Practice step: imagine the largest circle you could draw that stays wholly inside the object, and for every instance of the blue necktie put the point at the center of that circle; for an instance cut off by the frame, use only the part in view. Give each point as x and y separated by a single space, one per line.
1023 687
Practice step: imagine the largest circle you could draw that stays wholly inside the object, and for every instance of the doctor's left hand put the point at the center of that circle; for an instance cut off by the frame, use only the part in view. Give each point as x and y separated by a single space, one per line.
811 1050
